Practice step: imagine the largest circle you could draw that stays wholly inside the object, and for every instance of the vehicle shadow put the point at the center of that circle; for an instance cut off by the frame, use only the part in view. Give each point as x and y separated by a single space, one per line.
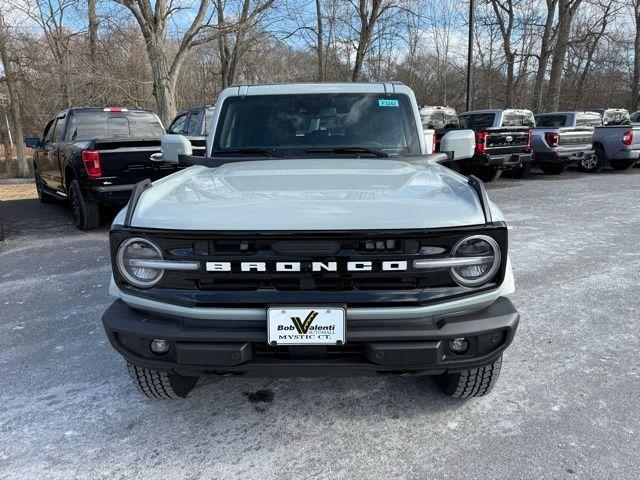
350 399
25 217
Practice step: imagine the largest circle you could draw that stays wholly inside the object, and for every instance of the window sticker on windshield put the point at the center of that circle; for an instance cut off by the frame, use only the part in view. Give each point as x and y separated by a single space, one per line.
382 102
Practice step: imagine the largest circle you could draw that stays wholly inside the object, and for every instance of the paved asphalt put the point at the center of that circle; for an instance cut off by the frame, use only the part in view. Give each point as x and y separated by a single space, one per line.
566 405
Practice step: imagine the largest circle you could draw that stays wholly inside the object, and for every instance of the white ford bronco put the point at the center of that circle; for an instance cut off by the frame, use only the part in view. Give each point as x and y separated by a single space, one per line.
315 238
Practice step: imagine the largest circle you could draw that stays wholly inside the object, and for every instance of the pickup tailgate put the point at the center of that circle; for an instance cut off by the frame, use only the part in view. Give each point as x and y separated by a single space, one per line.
127 161
577 138
506 140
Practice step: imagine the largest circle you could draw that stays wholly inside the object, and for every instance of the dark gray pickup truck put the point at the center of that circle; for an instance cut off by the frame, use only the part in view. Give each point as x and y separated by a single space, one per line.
563 138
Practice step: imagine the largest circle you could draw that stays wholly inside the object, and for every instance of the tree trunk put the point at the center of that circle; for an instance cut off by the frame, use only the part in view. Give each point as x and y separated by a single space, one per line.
223 48
93 33
367 24
14 100
635 88
320 44
566 12
510 80
164 86
545 53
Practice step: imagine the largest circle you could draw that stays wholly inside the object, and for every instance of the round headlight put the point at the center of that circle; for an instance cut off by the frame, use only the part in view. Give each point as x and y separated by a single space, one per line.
484 257
135 260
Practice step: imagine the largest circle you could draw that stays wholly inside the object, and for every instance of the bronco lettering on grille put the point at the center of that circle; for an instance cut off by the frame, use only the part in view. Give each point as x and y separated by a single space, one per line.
349 266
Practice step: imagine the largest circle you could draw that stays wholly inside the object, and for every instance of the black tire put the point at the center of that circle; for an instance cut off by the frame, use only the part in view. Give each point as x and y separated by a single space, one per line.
553 168
43 195
488 174
161 385
520 172
470 383
622 164
86 215
593 164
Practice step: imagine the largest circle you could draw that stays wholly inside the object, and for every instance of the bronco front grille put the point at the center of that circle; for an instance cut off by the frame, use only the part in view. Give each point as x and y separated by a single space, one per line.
375 287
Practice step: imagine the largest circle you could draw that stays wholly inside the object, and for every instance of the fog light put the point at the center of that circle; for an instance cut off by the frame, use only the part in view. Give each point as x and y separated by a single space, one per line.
459 345
159 346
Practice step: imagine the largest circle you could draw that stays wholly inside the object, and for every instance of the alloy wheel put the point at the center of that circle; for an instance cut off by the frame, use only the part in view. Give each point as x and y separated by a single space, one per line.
589 163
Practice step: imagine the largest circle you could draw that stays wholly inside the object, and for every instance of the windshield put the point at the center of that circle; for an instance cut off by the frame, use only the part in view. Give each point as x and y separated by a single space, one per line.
616 117
294 124
589 121
437 119
92 124
551 120
518 119
477 121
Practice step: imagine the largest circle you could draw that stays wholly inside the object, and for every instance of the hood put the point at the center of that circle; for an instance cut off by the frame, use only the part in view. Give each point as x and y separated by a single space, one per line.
309 194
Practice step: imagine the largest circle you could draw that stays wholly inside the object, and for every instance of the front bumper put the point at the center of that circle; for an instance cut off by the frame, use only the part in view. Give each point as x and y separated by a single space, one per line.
373 346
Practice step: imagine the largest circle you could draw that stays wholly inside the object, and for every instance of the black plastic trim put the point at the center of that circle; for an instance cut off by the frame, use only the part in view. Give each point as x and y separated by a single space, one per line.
138 189
478 186
408 346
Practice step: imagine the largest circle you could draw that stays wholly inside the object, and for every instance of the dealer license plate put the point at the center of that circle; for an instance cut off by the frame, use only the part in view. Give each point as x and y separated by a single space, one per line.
306 325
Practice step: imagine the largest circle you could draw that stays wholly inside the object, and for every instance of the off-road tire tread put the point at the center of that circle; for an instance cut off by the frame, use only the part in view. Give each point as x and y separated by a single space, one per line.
152 383
475 382
89 215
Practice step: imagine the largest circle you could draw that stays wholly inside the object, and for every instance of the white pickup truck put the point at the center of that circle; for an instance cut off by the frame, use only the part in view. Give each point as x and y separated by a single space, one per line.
315 238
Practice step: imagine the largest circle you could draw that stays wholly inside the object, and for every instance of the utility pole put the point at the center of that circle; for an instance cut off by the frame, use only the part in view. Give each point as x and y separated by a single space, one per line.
472 7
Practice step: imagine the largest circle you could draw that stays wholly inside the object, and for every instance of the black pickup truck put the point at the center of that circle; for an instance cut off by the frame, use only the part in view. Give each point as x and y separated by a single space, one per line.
503 142
194 124
94 157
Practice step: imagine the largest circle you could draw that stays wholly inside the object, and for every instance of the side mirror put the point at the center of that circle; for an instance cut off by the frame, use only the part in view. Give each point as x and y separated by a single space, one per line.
459 144
32 142
172 146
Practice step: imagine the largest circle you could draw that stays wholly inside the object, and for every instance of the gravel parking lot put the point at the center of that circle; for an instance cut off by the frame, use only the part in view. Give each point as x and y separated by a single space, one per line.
566 405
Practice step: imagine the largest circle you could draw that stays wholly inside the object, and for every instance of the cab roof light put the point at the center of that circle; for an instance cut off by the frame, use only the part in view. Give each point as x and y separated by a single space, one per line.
115 109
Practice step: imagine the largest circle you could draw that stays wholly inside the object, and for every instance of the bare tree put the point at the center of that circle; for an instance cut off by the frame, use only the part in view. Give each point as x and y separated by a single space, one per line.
566 12
505 17
635 83
234 43
593 36
166 63
93 32
368 13
14 97
545 53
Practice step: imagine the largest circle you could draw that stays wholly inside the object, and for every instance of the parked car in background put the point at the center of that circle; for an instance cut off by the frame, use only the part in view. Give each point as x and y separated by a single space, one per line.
440 119
94 157
503 142
560 139
194 124
614 145
635 117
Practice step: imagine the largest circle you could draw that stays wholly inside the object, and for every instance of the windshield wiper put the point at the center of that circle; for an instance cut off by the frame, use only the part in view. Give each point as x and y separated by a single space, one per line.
356 150
249 151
